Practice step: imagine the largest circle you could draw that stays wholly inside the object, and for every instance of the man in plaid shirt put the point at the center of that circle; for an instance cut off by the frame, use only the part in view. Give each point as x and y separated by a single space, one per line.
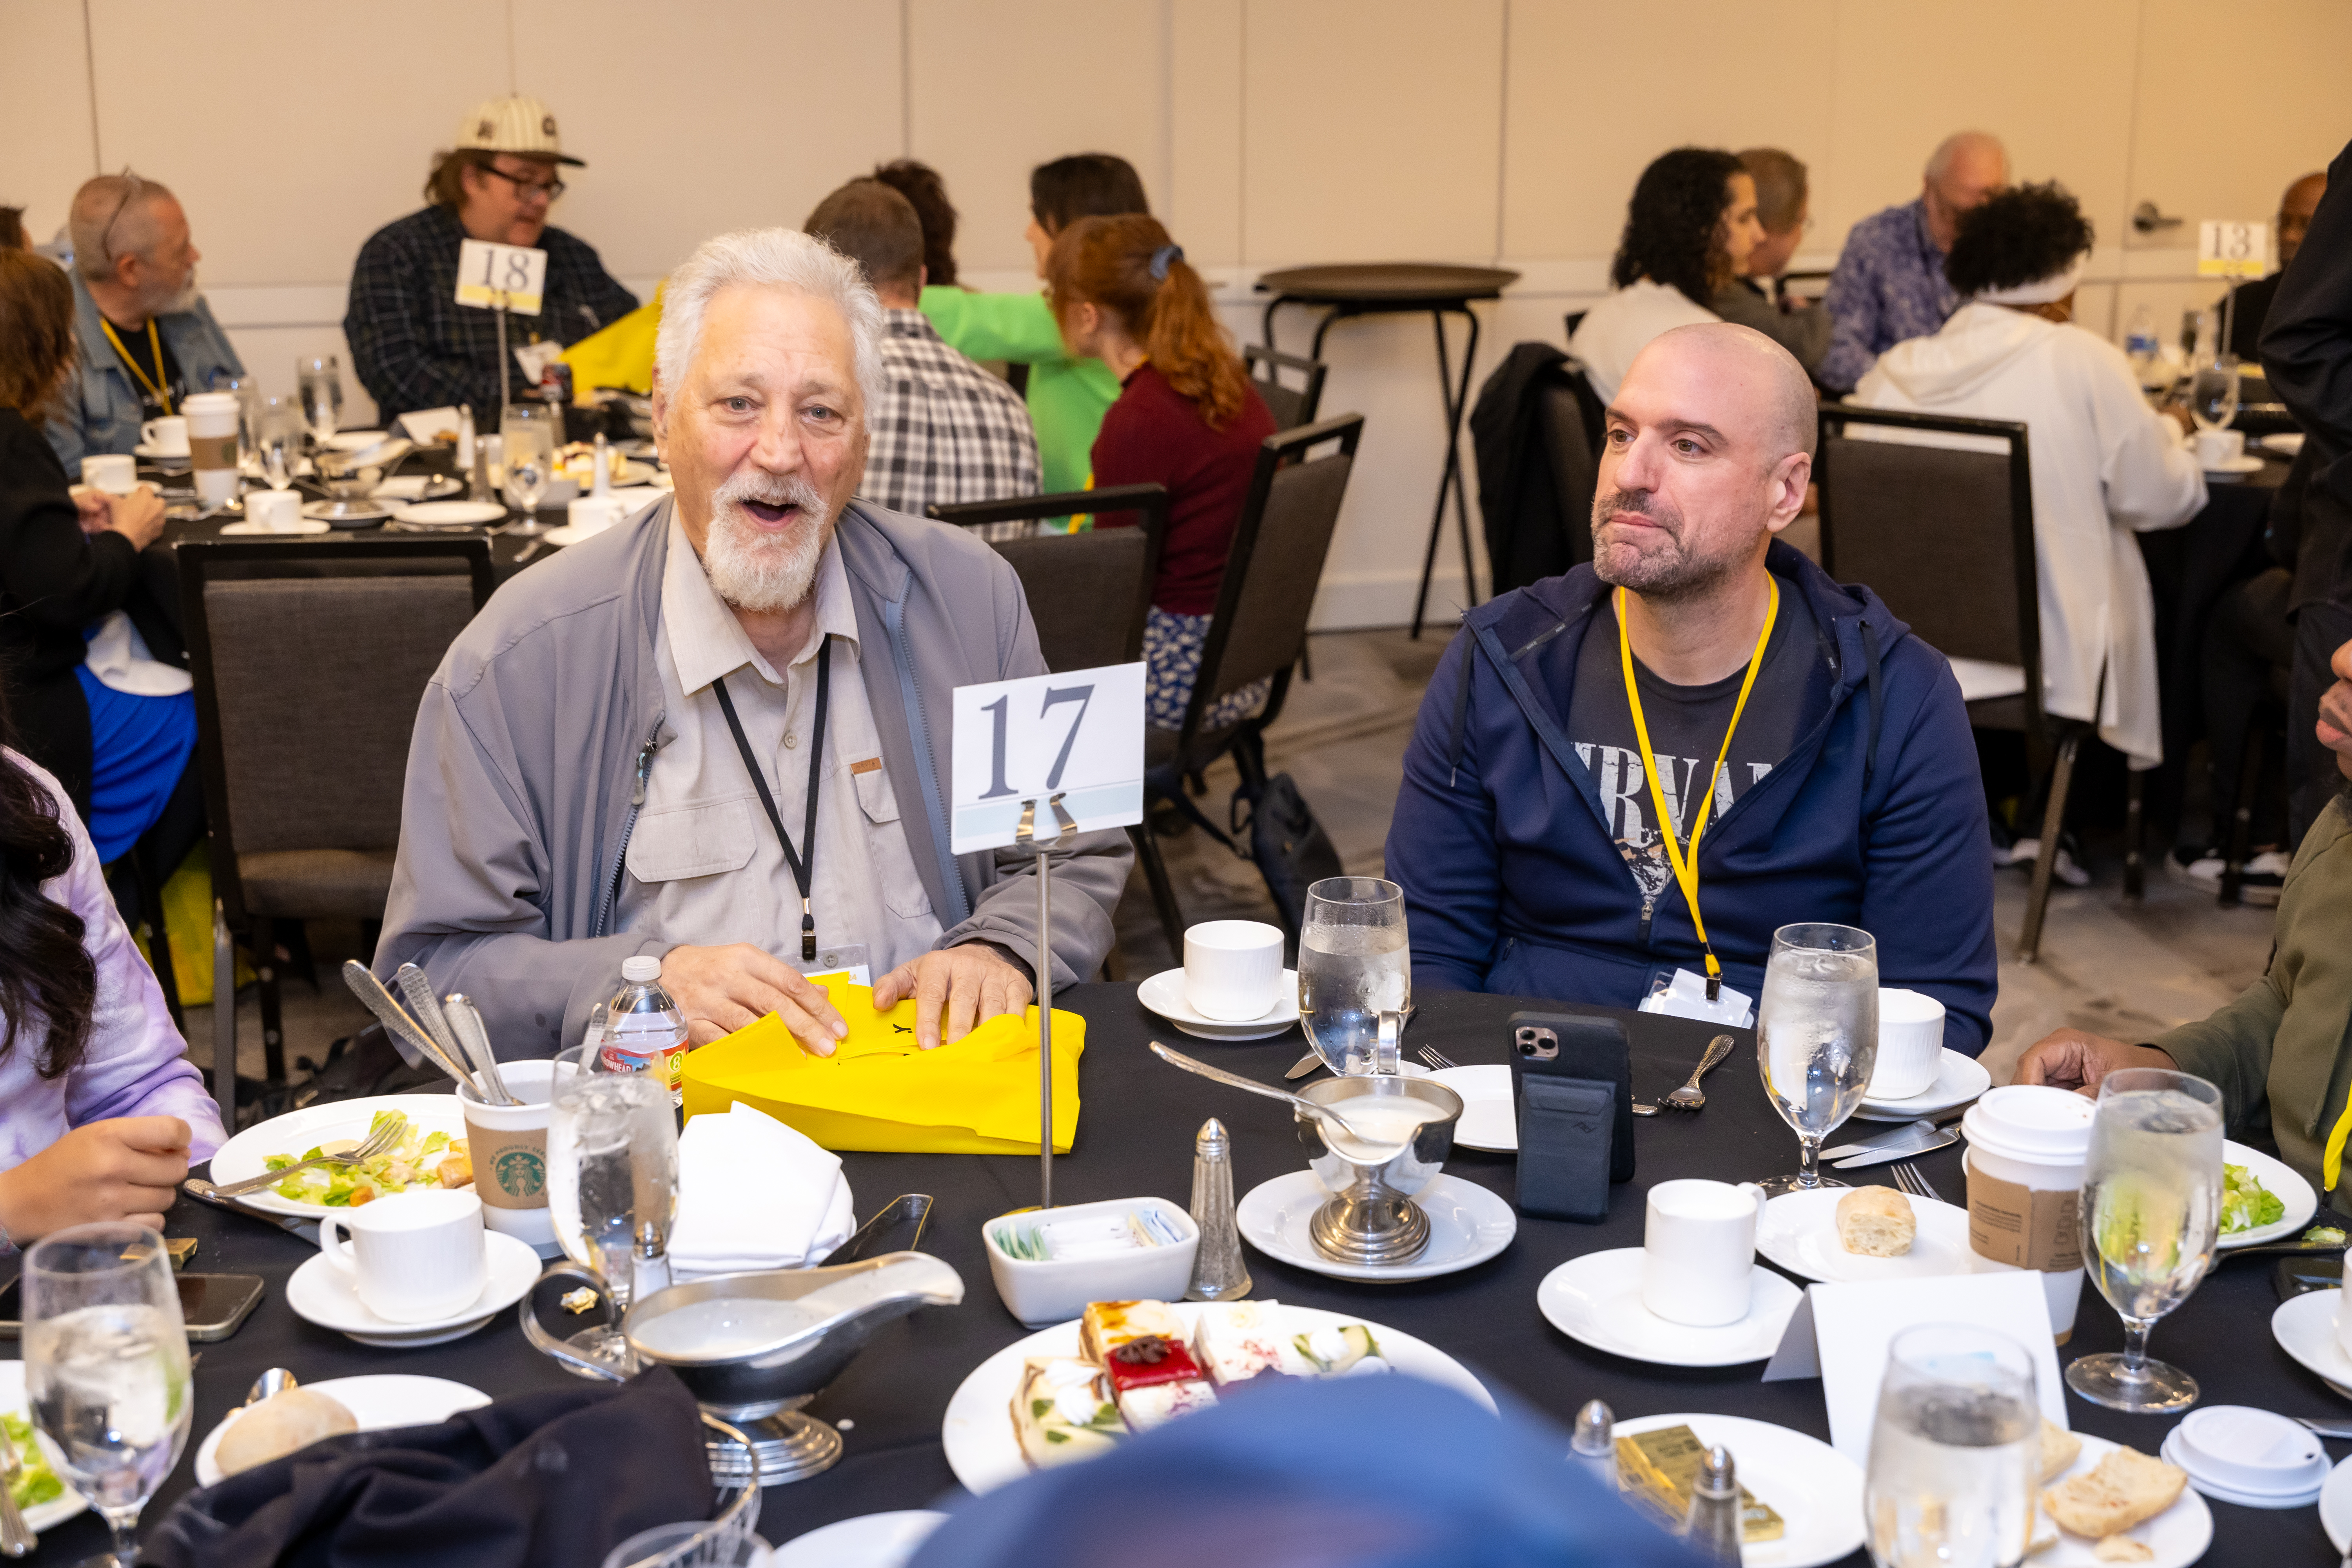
944 430
412 345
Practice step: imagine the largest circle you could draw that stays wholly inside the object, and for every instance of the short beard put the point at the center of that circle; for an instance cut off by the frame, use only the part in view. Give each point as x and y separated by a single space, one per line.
755 570
181 299
1668 571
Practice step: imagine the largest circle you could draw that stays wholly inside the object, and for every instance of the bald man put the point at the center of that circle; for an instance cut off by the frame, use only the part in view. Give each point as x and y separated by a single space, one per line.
2251 305
1529 834
1889 284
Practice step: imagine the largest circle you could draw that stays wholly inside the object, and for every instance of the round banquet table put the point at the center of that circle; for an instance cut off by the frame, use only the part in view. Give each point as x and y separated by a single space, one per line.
1135 1138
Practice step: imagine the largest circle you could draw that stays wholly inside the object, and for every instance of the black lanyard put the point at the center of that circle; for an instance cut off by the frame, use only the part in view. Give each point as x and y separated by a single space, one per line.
804 869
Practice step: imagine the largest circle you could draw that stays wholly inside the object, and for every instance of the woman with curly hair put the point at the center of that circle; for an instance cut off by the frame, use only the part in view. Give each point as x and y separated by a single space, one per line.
2105 465
1688 233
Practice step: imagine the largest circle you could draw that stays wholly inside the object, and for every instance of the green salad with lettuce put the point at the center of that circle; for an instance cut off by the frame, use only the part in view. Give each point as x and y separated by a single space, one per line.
2246 1204
419 1160
35 1483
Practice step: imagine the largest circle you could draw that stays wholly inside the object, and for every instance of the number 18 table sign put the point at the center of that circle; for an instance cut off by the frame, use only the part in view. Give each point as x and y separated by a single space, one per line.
1021 743
501 276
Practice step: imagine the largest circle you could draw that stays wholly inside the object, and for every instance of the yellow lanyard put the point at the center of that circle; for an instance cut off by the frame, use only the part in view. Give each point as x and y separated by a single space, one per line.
1686 867
2331 1163
155 346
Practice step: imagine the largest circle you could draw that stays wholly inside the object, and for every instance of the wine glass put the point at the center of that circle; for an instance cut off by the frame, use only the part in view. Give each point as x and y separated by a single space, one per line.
106 1367
1956 1451
1817 1036
277 439
2150 1211
611 1189
527 433
1355 974
2214 394
320 380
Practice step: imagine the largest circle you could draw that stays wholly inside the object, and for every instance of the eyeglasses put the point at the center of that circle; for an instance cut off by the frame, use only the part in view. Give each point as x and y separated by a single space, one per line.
131 190
546 190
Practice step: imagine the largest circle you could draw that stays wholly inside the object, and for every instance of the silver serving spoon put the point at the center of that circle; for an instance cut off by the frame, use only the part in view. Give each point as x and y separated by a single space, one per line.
277 1379
395 1019
1322 1114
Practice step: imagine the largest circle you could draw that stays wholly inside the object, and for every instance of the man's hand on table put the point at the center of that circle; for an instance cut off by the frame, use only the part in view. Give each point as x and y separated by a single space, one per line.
2077 1059
721 989
128 1168
970 984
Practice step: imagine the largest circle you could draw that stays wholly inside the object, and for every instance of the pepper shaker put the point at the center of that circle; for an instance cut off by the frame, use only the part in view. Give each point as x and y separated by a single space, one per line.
1219 1273
1593 1448
1714 1527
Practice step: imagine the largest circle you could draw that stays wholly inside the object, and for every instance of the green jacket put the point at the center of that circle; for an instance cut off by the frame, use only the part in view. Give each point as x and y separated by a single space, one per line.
2280 1051
1067 397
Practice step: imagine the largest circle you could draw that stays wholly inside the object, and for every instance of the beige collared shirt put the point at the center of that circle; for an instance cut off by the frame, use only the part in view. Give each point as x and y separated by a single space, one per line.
704 864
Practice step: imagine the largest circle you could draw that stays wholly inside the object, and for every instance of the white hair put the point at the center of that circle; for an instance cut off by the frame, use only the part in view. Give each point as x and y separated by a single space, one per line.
776 259
1947 152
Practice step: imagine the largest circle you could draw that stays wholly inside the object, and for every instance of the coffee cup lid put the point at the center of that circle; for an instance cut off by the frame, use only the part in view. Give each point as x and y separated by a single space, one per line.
2031 1122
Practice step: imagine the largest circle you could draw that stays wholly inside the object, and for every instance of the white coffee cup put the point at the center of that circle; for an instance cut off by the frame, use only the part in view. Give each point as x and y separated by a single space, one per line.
592 515
167 437
279 511
2343 1326
2035 1137
1232 969
507 1144
115 473
2220 448
1698 1251
413 1257
1910 1044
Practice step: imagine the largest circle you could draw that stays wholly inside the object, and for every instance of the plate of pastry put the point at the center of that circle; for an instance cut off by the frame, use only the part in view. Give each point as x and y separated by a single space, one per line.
1864 1232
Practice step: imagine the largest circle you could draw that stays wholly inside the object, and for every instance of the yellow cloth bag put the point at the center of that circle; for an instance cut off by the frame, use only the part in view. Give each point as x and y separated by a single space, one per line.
879 1092
621 354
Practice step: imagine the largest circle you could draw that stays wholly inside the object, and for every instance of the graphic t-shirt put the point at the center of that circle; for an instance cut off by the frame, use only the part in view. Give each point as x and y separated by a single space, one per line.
1686 725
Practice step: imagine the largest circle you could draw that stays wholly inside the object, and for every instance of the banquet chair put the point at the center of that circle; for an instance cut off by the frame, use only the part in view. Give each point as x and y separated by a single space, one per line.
1075 582
1943 535
1291 407
1571 437
309 658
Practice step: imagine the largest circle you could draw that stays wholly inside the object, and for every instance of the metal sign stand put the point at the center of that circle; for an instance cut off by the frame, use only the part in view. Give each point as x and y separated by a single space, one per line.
1027 835
503 399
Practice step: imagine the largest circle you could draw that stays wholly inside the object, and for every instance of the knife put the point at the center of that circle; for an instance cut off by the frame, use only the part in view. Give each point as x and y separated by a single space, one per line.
1886 1140
2329 1427
1927 1144
1304 1064
202 1191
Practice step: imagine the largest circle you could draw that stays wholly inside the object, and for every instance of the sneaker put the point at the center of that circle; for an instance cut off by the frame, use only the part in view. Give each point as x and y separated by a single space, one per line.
2026 851
2200 870
2264 875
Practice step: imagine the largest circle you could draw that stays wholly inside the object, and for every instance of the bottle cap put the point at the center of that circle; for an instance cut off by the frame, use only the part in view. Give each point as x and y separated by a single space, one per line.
640 969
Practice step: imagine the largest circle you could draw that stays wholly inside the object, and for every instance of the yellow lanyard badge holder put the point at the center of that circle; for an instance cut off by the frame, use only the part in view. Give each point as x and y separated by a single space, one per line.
156 347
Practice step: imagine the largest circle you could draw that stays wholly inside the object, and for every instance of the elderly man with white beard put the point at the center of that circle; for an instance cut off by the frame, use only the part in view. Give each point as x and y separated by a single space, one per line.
714 735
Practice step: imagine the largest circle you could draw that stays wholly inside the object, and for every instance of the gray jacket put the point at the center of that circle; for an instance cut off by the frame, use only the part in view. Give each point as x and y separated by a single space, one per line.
537 734
100 411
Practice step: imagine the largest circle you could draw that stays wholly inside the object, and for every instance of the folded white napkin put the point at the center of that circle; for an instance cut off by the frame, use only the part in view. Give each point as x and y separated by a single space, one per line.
755 1193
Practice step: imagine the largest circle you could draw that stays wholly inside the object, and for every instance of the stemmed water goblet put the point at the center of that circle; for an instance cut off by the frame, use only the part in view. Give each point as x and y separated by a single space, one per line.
527 434
277 439
319 380
612 1187
1355 974
2214 394
1817 1036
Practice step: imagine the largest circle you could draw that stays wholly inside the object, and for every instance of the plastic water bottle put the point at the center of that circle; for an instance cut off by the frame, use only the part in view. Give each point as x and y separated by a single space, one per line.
2139 342
644 1030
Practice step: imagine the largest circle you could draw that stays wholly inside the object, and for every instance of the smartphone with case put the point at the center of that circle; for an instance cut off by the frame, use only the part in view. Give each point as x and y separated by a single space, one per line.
213 1306
1572 1087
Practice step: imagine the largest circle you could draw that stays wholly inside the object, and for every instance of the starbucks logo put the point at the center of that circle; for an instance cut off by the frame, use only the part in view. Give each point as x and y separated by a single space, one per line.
520 1174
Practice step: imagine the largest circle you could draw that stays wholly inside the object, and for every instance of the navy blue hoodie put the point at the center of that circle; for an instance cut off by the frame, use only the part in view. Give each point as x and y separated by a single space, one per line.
1875 818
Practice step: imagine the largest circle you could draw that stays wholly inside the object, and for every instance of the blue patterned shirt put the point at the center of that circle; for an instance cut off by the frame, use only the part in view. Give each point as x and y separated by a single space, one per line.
1889 286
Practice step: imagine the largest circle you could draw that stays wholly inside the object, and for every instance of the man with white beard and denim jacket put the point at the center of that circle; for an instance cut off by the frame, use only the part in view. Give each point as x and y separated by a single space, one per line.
717 734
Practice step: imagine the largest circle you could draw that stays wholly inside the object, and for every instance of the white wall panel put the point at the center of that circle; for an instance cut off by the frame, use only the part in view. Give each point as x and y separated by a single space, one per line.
46 154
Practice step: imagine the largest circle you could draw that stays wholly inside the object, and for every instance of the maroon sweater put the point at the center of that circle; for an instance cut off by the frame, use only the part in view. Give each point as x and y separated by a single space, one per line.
1154 433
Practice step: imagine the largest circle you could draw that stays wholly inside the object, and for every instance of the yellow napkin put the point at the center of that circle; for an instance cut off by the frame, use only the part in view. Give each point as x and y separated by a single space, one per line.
878 1091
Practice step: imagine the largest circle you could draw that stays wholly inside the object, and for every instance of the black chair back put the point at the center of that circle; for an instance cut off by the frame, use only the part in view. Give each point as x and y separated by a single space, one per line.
1291 407
1575 456
1077 583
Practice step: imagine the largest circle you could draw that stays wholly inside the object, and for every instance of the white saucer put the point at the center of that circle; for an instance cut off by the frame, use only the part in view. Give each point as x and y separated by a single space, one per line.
1468 1225
353 440
1489 1120
153 456
2249 464
1815 1489
2304 1327
869 1540
300 525
449 513
2178 1536
322 1294
1597 1300
2280 1178
2171 1453
46 1515
377 1403
1798 1232
1164 994
1960 1081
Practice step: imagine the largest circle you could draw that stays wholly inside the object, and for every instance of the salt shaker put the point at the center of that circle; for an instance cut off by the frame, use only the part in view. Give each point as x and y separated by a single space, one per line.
1714 1528
602 484
1594 1445
1219 1273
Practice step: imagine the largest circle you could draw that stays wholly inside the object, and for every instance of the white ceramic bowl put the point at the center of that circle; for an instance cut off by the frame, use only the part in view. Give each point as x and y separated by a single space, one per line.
1056 1289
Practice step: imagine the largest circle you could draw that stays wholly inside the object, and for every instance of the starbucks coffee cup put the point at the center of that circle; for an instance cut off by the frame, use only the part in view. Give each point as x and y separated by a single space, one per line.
508 1147
213 420
2027 1143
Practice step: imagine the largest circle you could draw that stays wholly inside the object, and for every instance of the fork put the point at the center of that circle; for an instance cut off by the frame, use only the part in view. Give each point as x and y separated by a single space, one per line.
1437 1058
1688 1096
1907 1177
381 1138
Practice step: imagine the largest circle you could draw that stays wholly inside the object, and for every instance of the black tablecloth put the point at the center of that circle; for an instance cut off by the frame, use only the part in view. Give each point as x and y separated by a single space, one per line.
1135 1138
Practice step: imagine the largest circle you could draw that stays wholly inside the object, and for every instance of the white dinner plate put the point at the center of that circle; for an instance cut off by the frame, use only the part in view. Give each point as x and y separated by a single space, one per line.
869 1540
2178 1536
2280 1178
449 513
2249 464
151 455
1798 1232
978 1431
1597 1300
41 1517
323 1294
1467 1225
1960 1081
2335 1508
2304 1327
378 1402
1489 1120
1164 994
300 525
563 535
353 440
1815 1489
247 1154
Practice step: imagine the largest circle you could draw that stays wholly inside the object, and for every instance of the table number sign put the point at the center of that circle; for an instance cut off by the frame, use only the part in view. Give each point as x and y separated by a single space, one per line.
2226 249
501 276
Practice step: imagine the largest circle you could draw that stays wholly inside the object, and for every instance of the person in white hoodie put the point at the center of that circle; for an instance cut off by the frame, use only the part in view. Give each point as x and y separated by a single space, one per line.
2106 464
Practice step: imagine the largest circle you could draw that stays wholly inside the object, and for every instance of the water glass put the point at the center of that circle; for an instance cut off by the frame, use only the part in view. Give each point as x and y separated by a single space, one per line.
1955 1452
528 433
277 439
612 1190
106 1367
1355 974
2214 394
2151 1212
1817 1036
320 381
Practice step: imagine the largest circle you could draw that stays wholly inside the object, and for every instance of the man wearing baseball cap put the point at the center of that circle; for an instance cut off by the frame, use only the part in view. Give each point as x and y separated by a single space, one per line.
412 345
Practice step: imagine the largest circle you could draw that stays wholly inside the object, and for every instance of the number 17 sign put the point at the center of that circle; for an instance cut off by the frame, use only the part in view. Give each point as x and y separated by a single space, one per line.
1021 743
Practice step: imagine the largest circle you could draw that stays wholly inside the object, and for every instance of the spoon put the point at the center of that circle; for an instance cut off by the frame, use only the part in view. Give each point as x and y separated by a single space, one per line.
277 1379
396 1021
1322 1114
465 1023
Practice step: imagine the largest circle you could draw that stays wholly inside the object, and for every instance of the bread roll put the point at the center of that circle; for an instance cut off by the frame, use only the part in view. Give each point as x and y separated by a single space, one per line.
2121 1490
294 1419
1875 1222
2059 1449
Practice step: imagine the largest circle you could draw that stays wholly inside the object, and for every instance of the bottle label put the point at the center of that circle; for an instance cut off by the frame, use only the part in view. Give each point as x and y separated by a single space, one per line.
651 1051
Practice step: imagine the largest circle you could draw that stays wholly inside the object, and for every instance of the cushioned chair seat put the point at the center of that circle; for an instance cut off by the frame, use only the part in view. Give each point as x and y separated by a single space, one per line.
316 884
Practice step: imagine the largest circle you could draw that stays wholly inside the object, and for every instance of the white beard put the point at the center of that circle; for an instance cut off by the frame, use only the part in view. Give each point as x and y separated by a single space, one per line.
755 570
182 299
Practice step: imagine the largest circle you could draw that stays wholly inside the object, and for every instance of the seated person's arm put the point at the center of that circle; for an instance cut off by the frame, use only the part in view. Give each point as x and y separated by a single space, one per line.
124 1169
1852 305
1015 327
2151 480
1441 846
2078 1059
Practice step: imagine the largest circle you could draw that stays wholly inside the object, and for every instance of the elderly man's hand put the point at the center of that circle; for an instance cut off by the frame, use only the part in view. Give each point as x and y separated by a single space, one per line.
2077 1059
970 985
2336 706
721 989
